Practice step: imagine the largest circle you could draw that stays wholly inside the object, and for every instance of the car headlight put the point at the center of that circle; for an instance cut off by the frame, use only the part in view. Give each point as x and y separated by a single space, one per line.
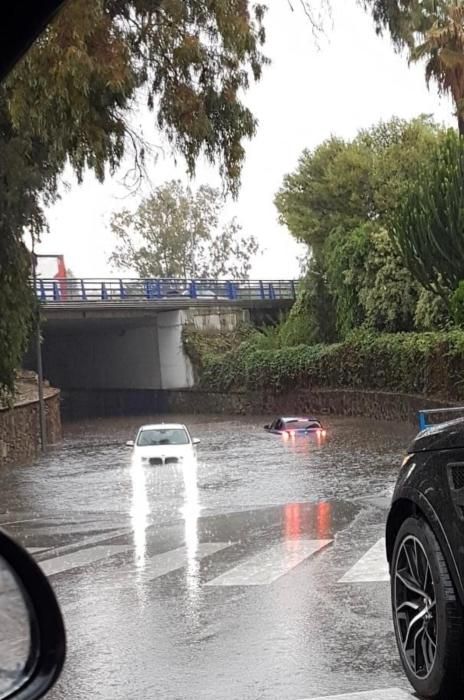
406 460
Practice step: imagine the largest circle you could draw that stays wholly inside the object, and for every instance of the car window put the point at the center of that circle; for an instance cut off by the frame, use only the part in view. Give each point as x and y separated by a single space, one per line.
310 424
162 436
302 424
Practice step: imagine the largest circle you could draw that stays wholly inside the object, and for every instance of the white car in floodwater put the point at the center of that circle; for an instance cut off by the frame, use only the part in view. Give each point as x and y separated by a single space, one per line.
163 443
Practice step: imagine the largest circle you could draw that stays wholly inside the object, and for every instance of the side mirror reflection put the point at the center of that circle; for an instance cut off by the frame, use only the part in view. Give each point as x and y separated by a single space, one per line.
32 637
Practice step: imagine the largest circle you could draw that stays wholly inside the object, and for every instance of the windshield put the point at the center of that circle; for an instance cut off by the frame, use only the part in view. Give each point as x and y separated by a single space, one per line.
162 436
302 424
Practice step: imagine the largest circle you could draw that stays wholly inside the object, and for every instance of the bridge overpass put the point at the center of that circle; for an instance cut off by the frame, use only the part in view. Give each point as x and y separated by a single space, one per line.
130 300
125 335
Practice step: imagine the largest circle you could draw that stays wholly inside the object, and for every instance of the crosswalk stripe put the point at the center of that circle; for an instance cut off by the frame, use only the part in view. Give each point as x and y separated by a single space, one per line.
54 552
165 563
160 564
268 566
373 566
386 694
81 558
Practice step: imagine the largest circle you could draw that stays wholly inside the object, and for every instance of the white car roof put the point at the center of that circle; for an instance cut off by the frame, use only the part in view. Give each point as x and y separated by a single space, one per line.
163 426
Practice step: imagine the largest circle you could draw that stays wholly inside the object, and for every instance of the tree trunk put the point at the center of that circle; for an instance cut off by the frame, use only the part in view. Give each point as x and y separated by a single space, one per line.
461 124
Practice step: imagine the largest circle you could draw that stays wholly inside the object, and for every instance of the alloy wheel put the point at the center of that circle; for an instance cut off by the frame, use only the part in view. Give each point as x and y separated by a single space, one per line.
415 607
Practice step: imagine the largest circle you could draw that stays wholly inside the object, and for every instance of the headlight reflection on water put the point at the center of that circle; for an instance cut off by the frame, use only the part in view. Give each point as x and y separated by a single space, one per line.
183 476
191 512
140 510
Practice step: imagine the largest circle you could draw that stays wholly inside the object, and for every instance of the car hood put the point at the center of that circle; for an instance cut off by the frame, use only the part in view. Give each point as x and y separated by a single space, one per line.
163 451
444 436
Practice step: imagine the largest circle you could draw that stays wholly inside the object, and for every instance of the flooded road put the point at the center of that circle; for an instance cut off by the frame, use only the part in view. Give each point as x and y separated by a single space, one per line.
255 574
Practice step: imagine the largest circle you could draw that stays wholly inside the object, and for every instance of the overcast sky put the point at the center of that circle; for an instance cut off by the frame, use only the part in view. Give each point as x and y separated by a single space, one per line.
352 80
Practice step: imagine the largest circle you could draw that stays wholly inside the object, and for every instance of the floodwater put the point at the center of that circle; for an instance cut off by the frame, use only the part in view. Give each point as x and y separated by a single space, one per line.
221 578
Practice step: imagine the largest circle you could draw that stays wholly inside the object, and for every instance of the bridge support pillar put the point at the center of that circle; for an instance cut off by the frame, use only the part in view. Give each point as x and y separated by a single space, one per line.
176 370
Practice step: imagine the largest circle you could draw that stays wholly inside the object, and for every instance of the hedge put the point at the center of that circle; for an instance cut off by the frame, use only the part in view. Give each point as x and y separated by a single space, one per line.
416 363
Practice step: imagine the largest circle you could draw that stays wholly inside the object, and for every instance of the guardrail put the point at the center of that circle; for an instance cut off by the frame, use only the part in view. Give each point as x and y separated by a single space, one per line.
69 290
424 414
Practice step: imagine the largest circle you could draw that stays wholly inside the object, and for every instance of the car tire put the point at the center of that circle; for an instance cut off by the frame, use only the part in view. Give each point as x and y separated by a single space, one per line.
424 598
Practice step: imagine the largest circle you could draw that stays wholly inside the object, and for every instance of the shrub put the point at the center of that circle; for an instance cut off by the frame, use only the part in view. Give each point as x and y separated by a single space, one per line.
199 344
457 305
418 363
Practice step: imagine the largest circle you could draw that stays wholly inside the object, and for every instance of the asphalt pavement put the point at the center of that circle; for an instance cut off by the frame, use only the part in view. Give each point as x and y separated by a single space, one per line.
257 574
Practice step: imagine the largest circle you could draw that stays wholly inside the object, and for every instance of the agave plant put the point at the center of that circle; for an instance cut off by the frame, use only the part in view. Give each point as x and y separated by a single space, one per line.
428 224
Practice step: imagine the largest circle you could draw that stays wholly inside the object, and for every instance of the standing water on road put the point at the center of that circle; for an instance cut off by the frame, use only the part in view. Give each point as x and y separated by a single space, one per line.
221 578
239 465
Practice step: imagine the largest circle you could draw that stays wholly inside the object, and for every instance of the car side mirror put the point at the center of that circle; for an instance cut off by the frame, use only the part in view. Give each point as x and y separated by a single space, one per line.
267 427
130 443
32 635
196 441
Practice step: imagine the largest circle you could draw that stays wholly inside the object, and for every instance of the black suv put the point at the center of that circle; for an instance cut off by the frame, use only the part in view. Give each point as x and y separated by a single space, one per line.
425 550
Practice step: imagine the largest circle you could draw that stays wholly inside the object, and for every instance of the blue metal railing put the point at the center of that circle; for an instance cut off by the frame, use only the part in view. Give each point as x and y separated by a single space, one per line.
423 415
68 290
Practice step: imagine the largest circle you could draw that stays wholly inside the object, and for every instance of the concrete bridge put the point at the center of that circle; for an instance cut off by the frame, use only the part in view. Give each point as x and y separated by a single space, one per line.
118 335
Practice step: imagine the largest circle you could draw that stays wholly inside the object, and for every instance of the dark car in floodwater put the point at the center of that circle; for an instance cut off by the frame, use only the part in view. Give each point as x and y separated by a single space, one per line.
306 425
425 550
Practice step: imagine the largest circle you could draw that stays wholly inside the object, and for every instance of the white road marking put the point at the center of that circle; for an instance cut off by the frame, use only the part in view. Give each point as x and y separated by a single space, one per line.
83 557
268 566
373 566
34 550
73 529
155 567
81 544
162 564
387 694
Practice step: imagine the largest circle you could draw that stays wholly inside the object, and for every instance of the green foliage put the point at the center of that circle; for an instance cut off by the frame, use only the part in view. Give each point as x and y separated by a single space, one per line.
310 320
312 317
19 209
70 99
404 18
369 282
346 271
175 233
192 59
339 201
428 223
432 312
428 363
457 305
396 147
346 184
329 188
267 337
200 344
433 32
16 310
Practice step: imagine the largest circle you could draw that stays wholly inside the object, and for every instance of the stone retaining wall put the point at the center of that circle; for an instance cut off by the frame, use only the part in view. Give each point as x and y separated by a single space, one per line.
20 428
343 402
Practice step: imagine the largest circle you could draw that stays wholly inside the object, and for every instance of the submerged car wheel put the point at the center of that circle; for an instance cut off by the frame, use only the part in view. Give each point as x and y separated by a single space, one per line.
427 614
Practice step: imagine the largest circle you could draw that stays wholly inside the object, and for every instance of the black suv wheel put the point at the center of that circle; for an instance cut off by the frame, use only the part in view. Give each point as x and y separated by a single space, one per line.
427 615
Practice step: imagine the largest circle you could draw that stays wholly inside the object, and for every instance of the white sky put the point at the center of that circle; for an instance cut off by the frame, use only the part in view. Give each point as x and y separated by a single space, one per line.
352 80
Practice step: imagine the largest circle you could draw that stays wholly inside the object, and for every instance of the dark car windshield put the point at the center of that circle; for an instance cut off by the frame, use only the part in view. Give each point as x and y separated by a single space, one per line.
162 436
302 424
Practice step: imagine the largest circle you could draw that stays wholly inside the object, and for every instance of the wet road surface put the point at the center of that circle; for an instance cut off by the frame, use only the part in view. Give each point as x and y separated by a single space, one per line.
257 574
